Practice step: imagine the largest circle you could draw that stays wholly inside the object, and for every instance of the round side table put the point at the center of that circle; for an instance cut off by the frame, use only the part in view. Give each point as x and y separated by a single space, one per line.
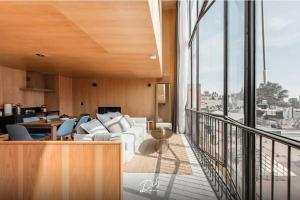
162 139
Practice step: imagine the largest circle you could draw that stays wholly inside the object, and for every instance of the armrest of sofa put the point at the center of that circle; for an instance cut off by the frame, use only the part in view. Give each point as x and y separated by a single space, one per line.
139 120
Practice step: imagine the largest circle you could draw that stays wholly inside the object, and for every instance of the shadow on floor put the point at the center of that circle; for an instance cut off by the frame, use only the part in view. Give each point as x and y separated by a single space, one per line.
147 147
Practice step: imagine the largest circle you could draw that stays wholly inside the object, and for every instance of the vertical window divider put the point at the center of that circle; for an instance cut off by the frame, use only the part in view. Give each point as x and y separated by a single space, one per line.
249 99
225 97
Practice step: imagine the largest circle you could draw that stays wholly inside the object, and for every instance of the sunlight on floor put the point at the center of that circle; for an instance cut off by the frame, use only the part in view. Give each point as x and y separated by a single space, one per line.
169 186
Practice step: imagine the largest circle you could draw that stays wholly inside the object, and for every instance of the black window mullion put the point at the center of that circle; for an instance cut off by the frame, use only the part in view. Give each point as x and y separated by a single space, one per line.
249 100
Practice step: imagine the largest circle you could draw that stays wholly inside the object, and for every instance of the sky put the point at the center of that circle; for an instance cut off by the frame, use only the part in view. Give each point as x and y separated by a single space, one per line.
282 37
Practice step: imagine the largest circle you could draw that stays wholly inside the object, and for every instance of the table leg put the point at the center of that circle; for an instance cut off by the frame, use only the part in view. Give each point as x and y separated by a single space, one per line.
53 133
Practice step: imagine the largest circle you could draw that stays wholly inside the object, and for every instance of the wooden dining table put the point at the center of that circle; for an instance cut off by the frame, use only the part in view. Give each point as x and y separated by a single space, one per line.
43 124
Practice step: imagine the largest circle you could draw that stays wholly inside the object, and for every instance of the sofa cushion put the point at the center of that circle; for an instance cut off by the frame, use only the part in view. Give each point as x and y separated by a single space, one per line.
137 130
124 124
114 114
93 127
114 125
102 136
83 137
103 118
107 137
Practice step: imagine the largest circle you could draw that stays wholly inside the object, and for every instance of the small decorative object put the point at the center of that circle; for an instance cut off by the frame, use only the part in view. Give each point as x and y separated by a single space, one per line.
44 108
8 109
18 109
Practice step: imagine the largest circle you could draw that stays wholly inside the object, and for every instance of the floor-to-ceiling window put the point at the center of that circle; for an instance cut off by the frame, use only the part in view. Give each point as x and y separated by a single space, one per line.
194 66
278 67
236 32
235 80
277 87
211 60
270 98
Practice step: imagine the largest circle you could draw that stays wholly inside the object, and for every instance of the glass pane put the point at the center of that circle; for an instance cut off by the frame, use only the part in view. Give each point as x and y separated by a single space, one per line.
277 70
236 60
194 73
280 171
189 85
240 161
257 165
266 168
193 14
211 60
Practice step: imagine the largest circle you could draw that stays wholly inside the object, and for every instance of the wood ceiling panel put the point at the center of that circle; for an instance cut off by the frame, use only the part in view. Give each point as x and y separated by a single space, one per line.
113 38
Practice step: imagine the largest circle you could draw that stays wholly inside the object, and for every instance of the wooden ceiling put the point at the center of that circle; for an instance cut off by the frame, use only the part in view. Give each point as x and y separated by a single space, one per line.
79 39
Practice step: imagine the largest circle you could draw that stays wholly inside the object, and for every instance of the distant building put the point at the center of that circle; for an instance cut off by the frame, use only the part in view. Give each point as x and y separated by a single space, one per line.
294 102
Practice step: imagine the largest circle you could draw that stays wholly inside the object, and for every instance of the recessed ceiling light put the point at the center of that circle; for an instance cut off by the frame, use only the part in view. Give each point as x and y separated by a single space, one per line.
40 55
153 56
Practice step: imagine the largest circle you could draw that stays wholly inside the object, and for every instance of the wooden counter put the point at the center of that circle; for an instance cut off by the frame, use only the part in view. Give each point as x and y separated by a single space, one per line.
60 170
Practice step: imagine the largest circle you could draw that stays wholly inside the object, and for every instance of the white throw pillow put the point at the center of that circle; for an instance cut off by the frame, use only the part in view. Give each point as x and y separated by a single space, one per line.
114 125
124 124
93 127
129 120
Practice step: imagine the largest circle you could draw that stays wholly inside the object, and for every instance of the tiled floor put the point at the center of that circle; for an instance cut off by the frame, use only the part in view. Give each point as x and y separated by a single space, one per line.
138 186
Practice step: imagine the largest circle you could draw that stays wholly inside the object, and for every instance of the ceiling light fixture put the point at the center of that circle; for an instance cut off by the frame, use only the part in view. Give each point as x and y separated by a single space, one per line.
40 55
153 56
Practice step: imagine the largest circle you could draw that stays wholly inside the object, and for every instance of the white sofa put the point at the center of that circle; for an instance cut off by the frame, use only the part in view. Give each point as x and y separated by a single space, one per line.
132 138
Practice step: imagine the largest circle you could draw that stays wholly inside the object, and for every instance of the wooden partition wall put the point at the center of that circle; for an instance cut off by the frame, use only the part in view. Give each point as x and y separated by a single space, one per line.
60 170
135 96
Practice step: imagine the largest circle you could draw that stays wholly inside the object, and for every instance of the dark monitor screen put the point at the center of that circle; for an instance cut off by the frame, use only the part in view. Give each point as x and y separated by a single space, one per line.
102 110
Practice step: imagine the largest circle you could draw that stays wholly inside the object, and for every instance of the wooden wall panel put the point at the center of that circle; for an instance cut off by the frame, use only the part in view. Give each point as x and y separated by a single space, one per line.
133 95
61 99
169 55
65 95
61 170
52 98
11 80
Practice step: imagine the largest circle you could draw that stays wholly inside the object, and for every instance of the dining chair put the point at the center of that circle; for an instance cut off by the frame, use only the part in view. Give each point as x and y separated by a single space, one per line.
33 131
19 132
66 128
82 120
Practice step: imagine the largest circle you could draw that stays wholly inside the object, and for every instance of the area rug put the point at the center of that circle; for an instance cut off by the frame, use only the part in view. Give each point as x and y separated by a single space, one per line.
175 161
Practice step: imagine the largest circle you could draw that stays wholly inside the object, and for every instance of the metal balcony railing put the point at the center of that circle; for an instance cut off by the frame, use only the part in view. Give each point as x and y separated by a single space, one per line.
221 147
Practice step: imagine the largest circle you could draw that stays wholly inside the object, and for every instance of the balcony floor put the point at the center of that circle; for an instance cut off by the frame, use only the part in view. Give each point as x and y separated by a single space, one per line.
171 186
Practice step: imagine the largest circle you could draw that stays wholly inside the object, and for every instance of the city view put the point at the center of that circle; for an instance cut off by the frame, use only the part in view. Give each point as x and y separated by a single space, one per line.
276 112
